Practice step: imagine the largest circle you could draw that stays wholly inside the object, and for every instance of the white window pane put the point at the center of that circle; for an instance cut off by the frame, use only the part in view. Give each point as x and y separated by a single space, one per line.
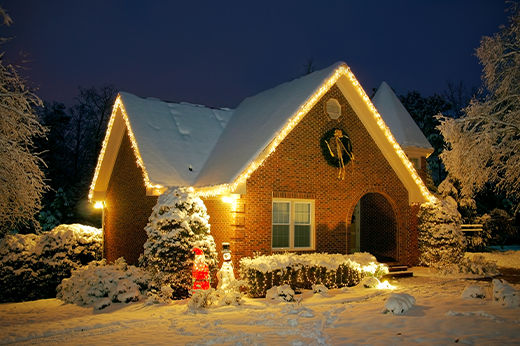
281 213
302 213
280 236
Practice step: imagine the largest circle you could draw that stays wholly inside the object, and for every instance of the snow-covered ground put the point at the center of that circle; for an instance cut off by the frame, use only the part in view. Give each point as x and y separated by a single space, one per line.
350 316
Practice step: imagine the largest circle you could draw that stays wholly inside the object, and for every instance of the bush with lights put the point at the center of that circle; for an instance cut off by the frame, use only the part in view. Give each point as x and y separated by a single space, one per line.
178 224
441 241
304 271
32 265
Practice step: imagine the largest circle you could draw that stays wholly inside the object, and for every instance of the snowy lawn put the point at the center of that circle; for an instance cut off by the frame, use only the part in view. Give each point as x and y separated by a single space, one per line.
354 315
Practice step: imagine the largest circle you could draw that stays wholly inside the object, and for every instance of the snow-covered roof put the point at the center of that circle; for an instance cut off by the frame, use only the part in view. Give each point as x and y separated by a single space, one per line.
216 150
174 139
255 123
397 118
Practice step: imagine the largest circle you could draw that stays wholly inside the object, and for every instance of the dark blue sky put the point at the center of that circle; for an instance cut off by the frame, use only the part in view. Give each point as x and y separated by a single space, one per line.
219 52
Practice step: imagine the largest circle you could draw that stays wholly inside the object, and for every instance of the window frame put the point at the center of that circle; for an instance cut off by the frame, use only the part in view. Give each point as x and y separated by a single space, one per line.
292 223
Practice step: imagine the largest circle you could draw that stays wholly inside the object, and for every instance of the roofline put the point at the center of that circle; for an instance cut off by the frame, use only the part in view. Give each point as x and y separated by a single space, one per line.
119 106
341 70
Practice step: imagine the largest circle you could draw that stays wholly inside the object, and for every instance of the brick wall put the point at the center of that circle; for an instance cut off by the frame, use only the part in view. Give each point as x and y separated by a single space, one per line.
127 208
297 166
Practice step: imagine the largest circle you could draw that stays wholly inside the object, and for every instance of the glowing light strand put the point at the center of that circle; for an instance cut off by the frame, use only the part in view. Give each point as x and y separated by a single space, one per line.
293 121
118 104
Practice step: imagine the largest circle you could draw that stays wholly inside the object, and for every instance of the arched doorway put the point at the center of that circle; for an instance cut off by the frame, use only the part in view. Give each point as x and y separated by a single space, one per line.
374 228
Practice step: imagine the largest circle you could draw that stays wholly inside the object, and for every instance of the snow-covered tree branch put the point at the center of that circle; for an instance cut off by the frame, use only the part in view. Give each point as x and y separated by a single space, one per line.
21 179
483 145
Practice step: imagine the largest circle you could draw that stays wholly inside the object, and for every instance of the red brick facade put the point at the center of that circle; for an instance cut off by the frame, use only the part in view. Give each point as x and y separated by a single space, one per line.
127 208
296 169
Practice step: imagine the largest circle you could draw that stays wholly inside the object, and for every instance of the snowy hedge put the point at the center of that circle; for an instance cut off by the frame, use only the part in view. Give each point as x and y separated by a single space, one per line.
303 271
100 284
31 265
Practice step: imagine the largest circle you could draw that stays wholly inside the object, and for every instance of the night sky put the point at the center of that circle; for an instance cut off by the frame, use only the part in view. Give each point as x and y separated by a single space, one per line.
219 52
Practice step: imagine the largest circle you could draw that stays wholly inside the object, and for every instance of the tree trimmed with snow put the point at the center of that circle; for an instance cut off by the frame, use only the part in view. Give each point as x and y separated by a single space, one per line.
440 238
21 178
484 144
179 223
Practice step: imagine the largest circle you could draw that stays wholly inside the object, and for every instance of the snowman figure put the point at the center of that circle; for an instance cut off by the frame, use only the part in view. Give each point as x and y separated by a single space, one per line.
200 272
226 275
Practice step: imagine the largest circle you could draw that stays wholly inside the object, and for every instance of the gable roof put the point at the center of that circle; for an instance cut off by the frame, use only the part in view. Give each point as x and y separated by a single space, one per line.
404 128
224 156
172 141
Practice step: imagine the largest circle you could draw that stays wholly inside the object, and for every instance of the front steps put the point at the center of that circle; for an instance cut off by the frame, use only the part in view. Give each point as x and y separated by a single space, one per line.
397 270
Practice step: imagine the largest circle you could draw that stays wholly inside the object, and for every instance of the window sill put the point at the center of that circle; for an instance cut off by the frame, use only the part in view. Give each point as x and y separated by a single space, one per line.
294 249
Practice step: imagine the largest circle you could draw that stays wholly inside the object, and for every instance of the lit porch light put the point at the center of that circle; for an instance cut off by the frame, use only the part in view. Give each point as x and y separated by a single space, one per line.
99 205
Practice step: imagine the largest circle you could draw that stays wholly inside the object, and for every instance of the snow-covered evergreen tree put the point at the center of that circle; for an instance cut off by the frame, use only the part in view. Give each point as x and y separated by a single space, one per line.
440 238
179 223
483 144
21 178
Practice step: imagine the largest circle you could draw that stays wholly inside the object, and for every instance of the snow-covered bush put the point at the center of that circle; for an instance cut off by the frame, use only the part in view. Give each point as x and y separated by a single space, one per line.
501 228
280 293
476 265
302 271
319 288
399 303
201 299
474 291
370 282
440 238
179 223
99 285
31 266
505 294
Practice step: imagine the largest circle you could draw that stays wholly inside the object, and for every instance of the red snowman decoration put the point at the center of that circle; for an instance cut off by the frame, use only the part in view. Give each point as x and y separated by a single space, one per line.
200 271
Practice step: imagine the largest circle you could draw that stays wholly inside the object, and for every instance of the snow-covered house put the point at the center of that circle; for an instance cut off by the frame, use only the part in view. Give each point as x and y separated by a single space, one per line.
265 169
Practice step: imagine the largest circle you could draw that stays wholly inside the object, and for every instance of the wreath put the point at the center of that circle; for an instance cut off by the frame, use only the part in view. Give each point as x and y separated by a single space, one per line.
329 149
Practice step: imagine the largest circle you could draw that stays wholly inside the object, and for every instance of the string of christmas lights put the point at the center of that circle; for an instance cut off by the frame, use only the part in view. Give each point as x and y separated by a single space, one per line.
225 189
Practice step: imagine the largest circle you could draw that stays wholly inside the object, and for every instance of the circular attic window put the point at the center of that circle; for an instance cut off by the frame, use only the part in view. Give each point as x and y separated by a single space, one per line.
333 109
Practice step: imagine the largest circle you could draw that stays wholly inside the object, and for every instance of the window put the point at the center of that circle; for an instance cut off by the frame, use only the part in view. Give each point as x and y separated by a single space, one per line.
293 224
333 109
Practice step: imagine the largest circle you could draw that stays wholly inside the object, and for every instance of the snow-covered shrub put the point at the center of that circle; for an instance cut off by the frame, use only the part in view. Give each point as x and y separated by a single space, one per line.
203 299
476 265
505 294
440 238
280 293
31 266
100 284
302 271
370 282
399 303
500 226
474 291
179 223
319 288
